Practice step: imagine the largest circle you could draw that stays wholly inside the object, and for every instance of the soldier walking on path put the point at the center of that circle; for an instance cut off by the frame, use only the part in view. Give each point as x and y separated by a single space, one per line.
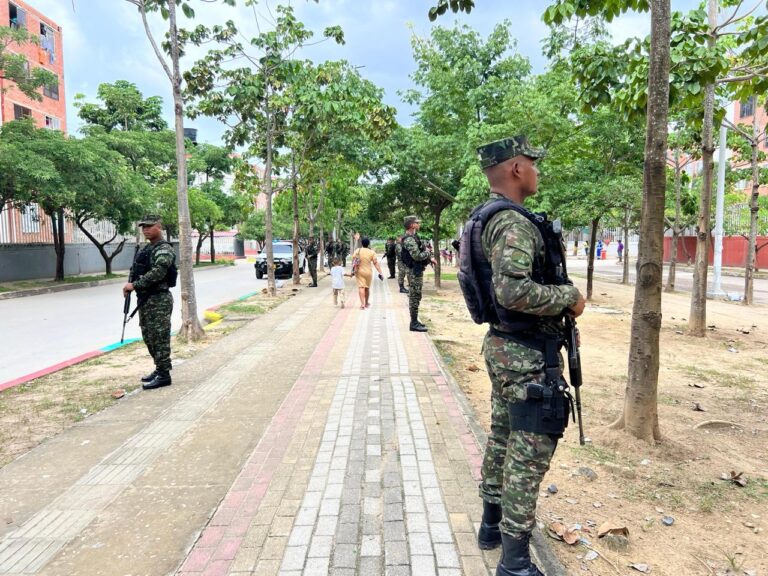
391 256
519 269
416 258
330 252
343 252
402 271
311 254
154 270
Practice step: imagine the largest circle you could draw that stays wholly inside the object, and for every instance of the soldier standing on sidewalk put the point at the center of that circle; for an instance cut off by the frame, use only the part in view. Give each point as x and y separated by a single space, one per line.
390 253
526 293
402 271
416 258
311 254
155 271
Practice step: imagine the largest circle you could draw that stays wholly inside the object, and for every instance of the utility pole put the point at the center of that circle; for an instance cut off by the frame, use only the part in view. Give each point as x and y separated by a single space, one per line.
717 289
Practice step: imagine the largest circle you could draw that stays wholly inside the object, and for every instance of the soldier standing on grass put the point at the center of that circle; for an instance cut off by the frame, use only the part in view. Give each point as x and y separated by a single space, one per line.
525 303
311 254
402 271
416 258
155 271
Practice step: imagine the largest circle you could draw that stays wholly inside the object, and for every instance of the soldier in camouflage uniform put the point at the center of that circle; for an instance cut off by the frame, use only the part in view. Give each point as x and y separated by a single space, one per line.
155 301
515 461
402 271
420 258
311 255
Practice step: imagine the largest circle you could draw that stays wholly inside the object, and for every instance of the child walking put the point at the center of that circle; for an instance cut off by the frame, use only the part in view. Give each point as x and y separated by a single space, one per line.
337 282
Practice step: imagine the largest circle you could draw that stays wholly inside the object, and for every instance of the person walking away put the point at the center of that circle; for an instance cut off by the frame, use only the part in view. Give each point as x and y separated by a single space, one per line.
599 248
416 257
311 255
402 271
365 258
620 250
343 252
154 270
586 248
519 267
337 282
391 256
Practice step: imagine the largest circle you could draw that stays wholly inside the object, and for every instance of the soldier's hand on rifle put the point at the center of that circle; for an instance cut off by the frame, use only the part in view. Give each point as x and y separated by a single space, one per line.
433 261
578 308
128 288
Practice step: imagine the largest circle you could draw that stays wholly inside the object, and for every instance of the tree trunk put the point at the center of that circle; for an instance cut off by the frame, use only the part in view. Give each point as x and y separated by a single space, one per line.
591 258
625 258
318 214
271 287
190 324
697 322
211 235
57 224
436 246
108 258
199 247
749 270
640 416
295 199
670 287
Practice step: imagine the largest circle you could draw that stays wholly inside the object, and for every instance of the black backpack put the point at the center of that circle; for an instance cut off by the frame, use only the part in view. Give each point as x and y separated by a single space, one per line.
143 263
405 255
475 272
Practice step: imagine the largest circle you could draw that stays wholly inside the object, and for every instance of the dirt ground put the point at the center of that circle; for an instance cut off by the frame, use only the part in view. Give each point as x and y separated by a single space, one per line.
717 526
40 409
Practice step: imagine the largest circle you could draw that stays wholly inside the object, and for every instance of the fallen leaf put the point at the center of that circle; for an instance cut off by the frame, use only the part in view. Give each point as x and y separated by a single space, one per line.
698 407
117 394
644 568
611 528
736 478
473 368
560 531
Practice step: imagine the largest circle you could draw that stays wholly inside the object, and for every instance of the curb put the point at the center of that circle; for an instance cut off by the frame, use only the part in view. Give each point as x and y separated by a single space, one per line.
542 550
76 285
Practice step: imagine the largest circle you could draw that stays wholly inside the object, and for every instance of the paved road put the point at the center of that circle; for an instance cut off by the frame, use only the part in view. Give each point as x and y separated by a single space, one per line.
611 270
40 331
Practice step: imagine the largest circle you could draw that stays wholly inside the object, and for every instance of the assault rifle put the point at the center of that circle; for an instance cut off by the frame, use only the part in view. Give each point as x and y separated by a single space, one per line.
574 366
127 303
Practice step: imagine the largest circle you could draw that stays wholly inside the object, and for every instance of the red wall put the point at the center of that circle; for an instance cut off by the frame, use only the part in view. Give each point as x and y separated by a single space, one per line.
46 106
734 250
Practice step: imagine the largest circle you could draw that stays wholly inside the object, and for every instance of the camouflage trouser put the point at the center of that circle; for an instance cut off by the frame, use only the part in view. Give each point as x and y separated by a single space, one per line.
312 266
415 283
155 322
402 272
515 462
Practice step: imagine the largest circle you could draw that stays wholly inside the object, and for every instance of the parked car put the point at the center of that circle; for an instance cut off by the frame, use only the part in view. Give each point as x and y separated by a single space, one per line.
283 257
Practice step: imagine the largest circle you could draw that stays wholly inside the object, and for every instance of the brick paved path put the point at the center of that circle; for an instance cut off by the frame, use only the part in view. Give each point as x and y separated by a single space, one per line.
367 465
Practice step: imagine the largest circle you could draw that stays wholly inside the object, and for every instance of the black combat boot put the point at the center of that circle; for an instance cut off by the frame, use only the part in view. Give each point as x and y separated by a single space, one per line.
516 557
403 289
489 535
162 379
416 326
149 377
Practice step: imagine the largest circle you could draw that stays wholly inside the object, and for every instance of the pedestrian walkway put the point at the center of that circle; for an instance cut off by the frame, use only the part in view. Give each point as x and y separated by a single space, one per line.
313 441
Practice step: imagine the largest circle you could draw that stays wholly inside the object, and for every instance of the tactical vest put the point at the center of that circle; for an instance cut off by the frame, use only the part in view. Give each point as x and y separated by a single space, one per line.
476 276
406 257
143 263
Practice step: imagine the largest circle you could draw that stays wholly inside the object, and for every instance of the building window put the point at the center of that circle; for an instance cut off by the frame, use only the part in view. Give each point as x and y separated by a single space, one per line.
47 44
17 17
21 112
51 91
747 108
30 219
52 123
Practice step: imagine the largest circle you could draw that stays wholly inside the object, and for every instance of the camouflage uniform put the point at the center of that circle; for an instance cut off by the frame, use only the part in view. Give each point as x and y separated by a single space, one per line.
421 255
343 253
389 252
311 255
515 462
402 271
156 305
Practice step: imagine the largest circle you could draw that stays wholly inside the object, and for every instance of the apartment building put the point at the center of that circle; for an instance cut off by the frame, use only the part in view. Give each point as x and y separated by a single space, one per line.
743 117
30 225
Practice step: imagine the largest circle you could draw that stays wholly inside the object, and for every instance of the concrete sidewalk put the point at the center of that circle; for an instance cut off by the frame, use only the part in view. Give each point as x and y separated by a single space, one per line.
313 441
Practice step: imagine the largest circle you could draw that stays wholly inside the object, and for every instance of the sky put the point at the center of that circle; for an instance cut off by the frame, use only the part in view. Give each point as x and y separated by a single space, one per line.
104 41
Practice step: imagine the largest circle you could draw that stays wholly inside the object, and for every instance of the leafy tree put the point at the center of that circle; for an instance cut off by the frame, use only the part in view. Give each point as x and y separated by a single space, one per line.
22 170
15 67
123 107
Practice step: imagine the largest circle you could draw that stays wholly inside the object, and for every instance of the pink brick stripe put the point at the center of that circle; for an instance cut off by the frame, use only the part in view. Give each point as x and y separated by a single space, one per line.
458 422
220 541
50 369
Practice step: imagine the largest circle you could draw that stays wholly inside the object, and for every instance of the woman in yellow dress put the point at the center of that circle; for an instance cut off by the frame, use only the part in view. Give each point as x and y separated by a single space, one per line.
364 257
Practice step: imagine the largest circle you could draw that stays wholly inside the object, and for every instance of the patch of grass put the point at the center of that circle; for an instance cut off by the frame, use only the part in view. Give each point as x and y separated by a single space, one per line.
242 308
668 400
4 289
217 263
448 276
718 378
757 489
710 496
599 453
79 279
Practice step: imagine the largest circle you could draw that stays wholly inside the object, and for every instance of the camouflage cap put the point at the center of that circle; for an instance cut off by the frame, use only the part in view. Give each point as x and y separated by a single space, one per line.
501 150
150 220
410 220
